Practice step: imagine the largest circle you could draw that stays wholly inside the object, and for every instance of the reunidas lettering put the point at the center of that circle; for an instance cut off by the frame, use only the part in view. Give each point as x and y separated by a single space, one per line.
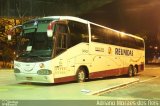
120 51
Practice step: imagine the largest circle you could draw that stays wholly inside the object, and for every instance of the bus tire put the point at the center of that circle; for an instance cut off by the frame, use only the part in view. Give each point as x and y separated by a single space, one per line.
81 75
135 71
130 71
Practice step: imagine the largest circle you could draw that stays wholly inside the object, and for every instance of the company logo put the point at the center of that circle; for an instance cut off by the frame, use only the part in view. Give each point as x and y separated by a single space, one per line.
99 49
109 50
119 51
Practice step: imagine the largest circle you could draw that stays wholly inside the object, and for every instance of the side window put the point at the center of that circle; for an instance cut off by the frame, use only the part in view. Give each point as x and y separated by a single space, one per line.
131 42
113 37
109 35
78 33
104 35
140 44
124 39
61 38
97 34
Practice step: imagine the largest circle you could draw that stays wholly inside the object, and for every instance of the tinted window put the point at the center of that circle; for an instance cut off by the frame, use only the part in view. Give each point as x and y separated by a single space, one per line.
108 36
124 40
78 33
113 38
62 38
103 35
140 44
131 42
98 34
128 41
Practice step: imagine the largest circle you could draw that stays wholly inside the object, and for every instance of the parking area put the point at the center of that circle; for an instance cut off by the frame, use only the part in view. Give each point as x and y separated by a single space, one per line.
10 89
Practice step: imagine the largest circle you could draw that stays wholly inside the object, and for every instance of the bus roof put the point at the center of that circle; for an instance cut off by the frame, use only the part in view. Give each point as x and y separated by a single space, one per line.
86 22
68 18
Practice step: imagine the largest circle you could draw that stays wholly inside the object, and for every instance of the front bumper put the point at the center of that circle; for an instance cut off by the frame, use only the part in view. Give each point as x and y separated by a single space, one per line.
23 77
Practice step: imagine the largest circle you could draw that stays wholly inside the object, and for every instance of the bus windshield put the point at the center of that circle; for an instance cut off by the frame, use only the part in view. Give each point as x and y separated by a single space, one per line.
34 44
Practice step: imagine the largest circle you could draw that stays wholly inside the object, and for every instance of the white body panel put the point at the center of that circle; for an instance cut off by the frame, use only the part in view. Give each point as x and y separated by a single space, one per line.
97 57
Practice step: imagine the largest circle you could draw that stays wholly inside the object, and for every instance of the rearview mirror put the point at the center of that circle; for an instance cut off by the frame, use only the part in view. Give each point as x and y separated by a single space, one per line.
11 32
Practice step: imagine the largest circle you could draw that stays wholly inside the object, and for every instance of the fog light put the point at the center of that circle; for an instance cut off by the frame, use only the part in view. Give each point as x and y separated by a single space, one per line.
44 72
16 70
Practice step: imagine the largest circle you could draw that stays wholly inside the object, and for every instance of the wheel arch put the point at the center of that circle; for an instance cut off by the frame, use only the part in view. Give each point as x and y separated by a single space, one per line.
131 65
86 70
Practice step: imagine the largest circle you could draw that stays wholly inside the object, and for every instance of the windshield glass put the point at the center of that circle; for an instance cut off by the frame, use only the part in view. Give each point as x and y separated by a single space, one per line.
34 44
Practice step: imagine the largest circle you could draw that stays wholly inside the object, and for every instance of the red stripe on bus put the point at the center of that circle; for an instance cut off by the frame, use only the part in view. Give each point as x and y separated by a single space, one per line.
64 79
105 73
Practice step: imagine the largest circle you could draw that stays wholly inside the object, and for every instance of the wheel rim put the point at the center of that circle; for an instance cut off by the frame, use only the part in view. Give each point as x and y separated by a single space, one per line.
130 72
135 71
81 76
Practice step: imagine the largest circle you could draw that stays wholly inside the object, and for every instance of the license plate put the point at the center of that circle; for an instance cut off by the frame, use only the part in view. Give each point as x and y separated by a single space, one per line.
29 78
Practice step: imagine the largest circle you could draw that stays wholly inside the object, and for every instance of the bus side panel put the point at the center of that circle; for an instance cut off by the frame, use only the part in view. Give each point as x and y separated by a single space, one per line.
67 63
104 61
110 60
64 79
105 73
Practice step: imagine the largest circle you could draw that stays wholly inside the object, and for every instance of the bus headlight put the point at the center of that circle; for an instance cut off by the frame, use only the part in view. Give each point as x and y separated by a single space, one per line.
44 72
16 70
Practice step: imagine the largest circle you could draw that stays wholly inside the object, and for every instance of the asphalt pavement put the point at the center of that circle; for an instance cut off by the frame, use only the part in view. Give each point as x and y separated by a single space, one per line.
10 89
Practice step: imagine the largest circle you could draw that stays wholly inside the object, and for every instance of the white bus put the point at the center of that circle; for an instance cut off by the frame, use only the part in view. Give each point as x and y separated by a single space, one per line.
63 48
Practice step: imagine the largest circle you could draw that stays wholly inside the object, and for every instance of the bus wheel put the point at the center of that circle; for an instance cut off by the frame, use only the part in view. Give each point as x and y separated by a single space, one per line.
135 71
81 75
130 71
